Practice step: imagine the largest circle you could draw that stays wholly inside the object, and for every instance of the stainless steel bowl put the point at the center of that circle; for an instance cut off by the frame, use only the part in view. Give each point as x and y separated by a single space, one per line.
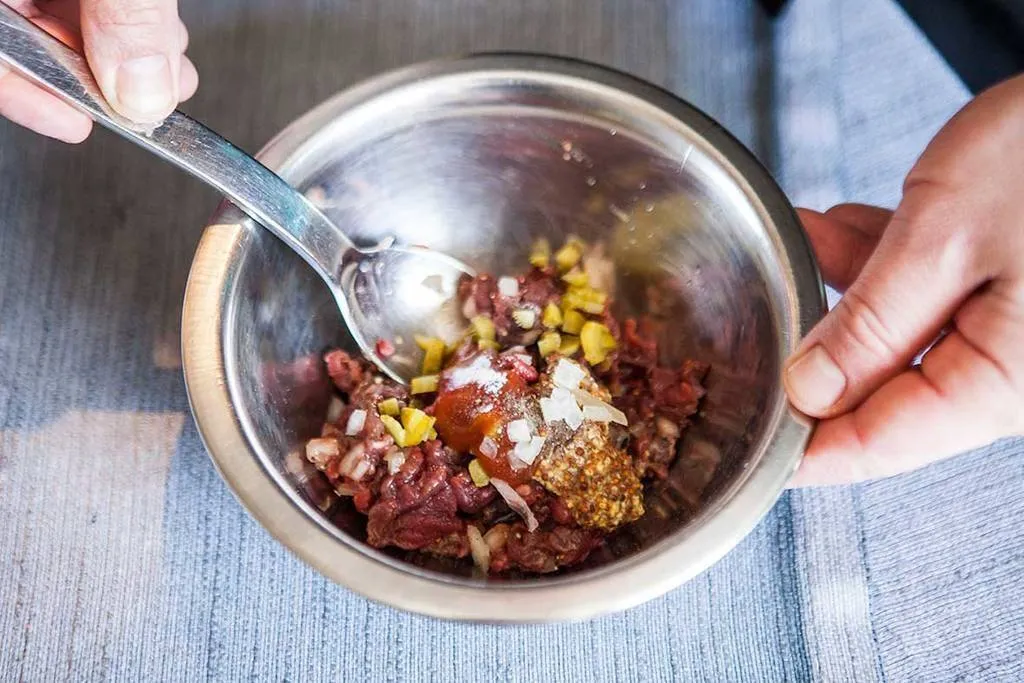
478 157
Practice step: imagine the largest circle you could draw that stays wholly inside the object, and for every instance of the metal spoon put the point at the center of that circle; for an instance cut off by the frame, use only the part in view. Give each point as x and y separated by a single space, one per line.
386 292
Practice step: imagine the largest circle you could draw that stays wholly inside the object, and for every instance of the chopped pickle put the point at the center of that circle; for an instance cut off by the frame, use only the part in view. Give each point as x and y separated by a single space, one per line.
585 301
597 341
424 384
388 406
477 474
394 428
433 353
549 343
570 345
568 256
483 328
488 344
593 296
540 254
573 322
576 278
407 413
526 318
552 316
577 242
417 426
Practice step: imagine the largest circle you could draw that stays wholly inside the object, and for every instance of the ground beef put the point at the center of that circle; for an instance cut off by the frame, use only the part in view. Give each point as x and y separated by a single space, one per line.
421 498
658 401
345 371
545 551
417 506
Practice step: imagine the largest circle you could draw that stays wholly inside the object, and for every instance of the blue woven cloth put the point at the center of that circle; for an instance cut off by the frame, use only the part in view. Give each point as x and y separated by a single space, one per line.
125 557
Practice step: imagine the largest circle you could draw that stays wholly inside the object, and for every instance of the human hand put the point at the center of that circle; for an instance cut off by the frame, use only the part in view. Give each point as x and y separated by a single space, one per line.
949 259
135 49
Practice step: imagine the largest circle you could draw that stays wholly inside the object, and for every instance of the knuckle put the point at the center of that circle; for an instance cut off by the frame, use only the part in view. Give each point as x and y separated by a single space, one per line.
128 15
864 328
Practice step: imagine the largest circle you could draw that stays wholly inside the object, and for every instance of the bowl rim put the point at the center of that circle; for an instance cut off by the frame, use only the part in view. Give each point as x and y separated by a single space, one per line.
637 579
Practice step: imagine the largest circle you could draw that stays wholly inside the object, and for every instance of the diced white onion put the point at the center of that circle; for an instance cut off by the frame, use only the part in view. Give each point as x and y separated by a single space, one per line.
394 459
515 462
516 502
361 469
518 431
568 375
488 447
599 411
334 409
529 450
508 286
355 422
351 460
561 406
319 451
478 547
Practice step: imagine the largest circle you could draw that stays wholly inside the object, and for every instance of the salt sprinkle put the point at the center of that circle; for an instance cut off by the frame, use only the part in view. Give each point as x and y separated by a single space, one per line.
479 372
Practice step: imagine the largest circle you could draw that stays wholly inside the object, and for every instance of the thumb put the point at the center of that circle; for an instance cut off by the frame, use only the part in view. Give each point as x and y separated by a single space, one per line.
134 50
908 288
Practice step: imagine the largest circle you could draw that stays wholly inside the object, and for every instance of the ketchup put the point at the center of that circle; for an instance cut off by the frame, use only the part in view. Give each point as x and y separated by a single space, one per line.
477 398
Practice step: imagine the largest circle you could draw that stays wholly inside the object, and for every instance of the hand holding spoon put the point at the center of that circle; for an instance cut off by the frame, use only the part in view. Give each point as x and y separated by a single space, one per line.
387 292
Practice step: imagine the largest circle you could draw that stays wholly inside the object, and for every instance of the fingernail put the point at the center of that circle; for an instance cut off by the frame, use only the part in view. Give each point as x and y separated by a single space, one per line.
145 89
815 382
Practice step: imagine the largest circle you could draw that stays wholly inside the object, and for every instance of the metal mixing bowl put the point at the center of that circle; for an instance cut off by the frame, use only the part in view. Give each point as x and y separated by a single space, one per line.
478 157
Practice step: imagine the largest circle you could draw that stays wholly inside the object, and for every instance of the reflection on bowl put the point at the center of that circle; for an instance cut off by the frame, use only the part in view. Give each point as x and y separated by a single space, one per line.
478 157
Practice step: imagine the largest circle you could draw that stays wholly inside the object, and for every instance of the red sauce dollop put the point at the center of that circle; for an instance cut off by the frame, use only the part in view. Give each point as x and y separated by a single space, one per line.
476 399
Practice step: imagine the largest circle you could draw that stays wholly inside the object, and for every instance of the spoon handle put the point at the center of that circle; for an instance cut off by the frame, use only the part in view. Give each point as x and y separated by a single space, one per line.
181 140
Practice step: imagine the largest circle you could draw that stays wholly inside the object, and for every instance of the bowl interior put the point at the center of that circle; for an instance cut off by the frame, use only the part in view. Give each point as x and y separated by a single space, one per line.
480 165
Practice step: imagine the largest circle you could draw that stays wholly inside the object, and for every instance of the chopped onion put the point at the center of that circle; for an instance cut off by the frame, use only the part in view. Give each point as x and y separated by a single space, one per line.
479 548
518 431
528 451
568 375
600 410
515 462
319 451
395 459
334 409
361 469
508 286
488 447
561 406
516 502
351 460
355 422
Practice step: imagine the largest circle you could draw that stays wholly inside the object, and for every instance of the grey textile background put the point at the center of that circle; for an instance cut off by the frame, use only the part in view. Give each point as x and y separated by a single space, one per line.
122 554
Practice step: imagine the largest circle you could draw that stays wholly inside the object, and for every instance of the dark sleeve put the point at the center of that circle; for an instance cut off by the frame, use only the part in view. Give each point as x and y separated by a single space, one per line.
983 40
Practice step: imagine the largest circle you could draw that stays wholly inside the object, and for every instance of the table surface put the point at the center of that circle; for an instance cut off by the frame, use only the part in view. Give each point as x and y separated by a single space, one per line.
126 557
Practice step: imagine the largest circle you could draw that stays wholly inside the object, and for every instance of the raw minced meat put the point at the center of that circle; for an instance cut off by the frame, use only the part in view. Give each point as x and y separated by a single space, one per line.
538 429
